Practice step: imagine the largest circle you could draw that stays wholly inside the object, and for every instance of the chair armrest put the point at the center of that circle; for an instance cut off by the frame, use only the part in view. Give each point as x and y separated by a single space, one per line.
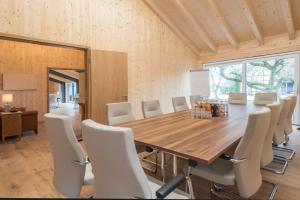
235 161
229 158
87 161
225 157
167 188
80 163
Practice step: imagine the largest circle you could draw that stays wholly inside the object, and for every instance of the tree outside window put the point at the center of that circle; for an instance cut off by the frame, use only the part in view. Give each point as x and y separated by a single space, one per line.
263 76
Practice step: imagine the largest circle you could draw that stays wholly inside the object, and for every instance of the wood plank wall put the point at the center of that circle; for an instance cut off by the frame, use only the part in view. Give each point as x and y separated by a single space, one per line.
53 87
109 78
158 61
27 58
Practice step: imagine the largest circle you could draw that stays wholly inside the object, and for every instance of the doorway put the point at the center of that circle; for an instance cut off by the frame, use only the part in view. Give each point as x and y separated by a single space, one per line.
66 94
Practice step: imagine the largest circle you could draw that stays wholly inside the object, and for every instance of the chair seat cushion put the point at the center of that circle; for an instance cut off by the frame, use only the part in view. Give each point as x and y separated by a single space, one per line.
221 171
234 101
263 102
89 176
156 185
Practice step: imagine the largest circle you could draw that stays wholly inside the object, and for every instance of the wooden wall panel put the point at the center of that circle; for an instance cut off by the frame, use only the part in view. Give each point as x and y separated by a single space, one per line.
109 82
272 45
20 57
158 61
53 87
82 87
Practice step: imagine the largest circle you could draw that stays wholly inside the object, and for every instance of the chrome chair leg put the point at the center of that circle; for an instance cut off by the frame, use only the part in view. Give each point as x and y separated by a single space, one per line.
287 139
221 193
149 161
150 154
274 189
271 168
189 183
290 152
144 158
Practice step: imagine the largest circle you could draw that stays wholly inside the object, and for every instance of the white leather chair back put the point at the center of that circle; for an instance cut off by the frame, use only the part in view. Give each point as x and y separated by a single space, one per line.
195 99
237 98
279 135
263 98
267 153
288 127
68 176
118 172
179 104
151 108
118 113
248 175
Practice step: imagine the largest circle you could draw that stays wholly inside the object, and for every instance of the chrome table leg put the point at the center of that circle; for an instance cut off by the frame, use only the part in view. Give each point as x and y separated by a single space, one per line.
174 165
162 165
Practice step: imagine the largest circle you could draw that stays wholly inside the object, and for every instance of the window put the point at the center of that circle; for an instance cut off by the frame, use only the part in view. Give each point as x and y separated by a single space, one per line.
225 79
251 76
270 75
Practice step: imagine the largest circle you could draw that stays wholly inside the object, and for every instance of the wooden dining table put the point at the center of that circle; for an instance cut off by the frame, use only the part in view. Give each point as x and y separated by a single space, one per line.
201 140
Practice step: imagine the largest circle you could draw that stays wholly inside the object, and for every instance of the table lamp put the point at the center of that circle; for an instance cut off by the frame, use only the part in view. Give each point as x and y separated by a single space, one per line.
7 100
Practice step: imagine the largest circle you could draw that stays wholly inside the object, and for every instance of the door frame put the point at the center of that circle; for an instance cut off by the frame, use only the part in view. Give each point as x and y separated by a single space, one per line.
86 86
86 49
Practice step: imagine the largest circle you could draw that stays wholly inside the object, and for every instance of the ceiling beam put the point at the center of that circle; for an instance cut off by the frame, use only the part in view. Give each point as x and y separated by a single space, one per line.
200 31
247 10
223 23
288 17
156 9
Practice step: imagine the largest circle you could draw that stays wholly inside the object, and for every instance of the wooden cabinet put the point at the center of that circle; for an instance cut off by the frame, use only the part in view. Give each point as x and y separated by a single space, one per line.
30 121
13 124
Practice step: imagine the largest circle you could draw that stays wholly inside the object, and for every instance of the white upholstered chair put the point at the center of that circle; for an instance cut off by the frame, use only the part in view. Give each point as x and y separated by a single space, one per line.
278 165
195 99
151 108
237 98
118 113
288 127
279 131
243 170
279 134
267 153
71 166
263 98
179 104
118 172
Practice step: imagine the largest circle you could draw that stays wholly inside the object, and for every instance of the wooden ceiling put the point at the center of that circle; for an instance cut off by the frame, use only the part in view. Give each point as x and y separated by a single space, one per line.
206 25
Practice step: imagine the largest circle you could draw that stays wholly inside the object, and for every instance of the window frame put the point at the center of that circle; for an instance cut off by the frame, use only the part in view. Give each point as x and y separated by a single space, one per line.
243 62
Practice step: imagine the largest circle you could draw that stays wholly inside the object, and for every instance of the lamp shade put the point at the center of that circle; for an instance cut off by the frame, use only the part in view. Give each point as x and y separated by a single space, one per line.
7 98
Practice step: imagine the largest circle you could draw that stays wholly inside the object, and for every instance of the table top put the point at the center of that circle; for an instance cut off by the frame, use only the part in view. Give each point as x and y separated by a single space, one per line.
202 140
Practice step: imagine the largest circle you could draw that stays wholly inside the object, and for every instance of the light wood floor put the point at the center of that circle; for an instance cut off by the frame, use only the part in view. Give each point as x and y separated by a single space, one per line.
26 171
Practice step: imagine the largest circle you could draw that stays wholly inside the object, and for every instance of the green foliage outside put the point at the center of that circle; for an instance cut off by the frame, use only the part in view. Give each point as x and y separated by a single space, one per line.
275 69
